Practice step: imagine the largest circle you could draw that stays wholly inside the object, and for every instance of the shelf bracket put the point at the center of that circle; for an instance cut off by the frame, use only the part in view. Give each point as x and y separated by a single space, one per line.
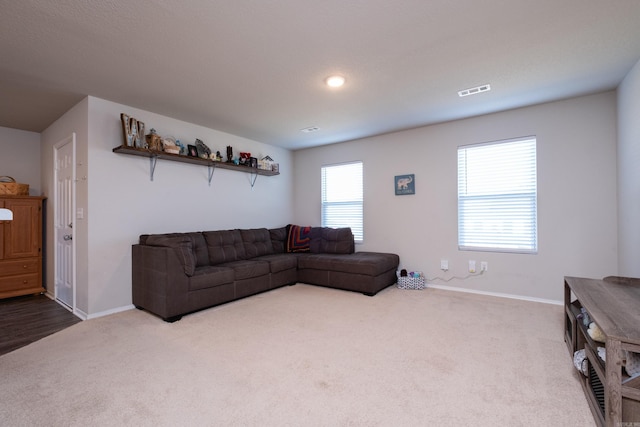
212 169
252 178
152 165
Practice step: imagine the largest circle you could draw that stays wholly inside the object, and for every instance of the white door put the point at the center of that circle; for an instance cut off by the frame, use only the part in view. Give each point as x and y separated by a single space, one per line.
64 200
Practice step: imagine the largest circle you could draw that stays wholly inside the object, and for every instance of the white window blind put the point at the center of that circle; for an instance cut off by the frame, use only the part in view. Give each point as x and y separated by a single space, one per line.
342 197
497 196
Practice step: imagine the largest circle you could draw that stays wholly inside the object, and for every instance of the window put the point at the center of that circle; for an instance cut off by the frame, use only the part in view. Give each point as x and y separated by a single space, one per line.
497 196
342 197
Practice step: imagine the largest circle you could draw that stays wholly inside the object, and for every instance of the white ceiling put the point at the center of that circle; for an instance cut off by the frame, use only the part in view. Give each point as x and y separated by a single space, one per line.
255 68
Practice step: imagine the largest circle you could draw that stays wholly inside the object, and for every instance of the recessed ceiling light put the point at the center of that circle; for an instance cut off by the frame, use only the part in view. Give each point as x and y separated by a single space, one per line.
310 129
474 90
335 81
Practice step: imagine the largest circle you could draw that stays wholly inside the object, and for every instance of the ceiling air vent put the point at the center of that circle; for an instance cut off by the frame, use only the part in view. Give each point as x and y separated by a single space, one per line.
310 129
474 90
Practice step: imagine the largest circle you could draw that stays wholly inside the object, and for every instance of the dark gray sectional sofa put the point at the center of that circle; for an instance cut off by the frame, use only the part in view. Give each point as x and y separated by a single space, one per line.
179 273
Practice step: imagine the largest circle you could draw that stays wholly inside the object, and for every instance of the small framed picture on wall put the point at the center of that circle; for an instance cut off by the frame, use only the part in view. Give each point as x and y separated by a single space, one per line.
405 184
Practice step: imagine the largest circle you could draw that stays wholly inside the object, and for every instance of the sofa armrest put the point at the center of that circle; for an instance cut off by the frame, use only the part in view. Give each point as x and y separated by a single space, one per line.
159 283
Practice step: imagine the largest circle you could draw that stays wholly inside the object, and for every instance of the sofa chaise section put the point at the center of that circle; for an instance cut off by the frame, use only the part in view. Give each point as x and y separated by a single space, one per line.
366 272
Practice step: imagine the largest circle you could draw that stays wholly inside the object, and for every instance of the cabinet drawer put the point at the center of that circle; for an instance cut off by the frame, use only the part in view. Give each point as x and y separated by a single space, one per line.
25 281
23 266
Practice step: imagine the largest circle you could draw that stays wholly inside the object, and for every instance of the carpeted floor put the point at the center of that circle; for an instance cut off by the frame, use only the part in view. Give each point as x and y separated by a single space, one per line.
305 356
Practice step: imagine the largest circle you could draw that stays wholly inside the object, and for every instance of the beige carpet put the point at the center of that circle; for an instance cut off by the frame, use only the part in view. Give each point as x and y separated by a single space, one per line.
305 356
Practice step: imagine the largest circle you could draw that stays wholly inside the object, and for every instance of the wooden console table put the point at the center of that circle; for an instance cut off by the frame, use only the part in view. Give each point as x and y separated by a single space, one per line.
614 305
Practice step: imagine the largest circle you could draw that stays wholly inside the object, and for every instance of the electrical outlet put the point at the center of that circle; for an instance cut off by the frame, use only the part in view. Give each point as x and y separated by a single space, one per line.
484 266
444 265
472 266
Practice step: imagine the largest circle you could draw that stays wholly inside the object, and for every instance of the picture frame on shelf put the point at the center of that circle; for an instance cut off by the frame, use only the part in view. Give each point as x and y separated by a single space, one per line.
192 151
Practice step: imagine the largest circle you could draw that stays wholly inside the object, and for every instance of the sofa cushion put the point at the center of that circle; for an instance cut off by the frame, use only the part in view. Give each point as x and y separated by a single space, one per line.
197 239
332 240
199 248
182 245
366 263
210 276
280 262
224 246
278 239
257 242
247 269
298 238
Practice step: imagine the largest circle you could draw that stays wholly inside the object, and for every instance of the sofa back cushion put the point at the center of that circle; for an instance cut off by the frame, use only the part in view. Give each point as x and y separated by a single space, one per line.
278 239
199 248
224 246
325 240
198 243
257 242
181 244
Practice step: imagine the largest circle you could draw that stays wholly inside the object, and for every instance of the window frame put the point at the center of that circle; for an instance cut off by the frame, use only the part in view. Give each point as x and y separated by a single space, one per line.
515 207
357 229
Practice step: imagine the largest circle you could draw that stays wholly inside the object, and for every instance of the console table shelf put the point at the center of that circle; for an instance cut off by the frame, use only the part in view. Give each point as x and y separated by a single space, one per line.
612 303
211 164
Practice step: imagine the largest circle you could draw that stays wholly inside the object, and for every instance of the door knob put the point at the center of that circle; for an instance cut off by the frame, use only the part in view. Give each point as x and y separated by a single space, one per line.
68 237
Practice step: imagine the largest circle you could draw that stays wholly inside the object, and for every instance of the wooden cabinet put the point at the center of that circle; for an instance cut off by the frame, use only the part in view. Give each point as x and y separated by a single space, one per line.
21 247
613 304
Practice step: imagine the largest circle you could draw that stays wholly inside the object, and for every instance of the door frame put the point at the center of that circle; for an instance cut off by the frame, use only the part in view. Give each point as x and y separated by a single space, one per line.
68 140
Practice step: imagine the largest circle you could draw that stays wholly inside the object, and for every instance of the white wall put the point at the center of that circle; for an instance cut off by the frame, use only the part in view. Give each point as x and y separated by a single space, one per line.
124 202
20 157
577 223
629 173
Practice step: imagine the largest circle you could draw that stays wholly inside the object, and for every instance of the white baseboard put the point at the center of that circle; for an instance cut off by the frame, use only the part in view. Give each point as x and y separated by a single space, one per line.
112 311
495 294
84 316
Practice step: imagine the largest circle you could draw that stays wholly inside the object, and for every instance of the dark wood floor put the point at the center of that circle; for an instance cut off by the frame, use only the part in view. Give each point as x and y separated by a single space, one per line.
24 320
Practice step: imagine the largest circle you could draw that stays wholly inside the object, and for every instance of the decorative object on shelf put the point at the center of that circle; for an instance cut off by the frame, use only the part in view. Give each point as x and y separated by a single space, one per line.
9 187
632 364
204 152
405 184
275 167
229 154
140 141
595 332
218 156
132 130
265 163
244 158
169 145
154 141
126 130
183 149
193 151
253 162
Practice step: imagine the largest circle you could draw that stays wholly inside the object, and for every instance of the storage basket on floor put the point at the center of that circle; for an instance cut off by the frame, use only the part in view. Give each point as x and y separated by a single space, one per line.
407 282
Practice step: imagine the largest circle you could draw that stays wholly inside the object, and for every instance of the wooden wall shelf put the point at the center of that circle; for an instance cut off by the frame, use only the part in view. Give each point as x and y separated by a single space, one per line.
212 165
